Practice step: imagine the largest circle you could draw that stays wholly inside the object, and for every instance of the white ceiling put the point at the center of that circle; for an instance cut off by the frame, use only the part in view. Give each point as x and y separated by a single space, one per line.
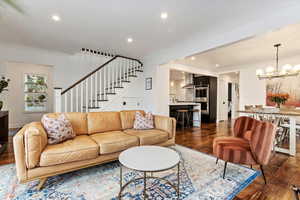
106 25
249 51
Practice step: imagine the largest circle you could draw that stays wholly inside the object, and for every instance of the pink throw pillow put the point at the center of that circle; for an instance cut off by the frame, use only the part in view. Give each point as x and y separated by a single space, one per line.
58 129
142 122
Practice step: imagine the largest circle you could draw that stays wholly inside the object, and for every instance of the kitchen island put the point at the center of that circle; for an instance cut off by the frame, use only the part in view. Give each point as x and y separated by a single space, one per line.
186 106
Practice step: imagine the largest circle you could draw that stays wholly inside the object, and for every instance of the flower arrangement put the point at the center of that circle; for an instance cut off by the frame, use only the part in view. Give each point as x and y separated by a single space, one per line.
279 98
3 85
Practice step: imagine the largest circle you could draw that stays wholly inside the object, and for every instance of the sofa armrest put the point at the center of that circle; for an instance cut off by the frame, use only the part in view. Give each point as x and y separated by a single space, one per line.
167 124
35 142
19 152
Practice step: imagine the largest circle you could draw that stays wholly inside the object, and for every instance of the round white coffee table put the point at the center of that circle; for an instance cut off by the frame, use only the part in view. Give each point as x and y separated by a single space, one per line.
149 159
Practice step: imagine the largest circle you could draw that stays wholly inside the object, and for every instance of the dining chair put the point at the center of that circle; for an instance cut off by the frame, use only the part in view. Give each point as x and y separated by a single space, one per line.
251 144
260 107
285 124
249 107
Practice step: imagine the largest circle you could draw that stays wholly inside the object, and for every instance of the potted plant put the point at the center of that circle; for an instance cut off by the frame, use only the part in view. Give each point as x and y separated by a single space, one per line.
29 99
279 98
36 101
42 98
3 85
41 81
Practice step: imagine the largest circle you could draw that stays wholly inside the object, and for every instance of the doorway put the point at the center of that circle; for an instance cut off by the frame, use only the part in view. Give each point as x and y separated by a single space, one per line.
228 96
229 111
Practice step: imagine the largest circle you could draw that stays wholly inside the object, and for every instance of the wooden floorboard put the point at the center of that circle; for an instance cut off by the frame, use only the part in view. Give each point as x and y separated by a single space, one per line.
282 171
7 157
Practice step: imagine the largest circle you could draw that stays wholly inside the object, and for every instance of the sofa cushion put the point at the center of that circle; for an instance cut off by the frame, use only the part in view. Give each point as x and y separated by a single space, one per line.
149 137
80 148
127 118
99 122
77 119
115 141
35 138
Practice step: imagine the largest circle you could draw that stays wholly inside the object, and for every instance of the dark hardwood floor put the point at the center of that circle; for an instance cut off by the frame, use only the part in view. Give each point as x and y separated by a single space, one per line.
282 171
8 156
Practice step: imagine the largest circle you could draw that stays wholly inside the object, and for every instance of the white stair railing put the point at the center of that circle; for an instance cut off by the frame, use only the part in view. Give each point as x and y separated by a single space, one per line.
93 89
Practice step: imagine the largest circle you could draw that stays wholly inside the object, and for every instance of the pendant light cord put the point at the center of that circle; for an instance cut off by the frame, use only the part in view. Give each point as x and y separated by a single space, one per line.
277 59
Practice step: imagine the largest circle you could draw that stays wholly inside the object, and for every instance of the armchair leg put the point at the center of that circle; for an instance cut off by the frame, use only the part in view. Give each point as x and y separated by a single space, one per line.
262 171
217 160
41 183
225 166
296 191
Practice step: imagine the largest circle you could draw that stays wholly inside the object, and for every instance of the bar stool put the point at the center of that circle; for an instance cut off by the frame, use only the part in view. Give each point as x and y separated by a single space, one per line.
184 115
197 111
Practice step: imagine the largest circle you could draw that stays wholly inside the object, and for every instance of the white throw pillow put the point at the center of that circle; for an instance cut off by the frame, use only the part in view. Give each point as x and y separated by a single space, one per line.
58 129
143 122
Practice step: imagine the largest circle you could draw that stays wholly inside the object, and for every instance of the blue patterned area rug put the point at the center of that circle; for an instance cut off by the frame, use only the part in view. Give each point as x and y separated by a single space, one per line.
200 177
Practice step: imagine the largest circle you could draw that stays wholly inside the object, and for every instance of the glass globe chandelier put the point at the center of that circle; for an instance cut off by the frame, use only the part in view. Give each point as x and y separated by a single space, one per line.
271 72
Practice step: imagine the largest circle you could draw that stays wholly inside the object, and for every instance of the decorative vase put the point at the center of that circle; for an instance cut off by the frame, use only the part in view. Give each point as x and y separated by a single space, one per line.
278 105
1 105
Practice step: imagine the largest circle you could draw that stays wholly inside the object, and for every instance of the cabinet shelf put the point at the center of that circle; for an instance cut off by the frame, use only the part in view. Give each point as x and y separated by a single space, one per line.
26 92
35 87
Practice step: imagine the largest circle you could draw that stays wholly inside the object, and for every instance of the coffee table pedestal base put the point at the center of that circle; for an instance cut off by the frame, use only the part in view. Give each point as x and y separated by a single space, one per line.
145 178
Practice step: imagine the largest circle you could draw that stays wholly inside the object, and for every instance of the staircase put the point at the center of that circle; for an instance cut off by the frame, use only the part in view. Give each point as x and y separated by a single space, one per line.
93 90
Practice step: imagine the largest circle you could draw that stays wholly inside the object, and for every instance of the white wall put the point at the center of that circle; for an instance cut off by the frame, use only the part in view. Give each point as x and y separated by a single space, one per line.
14 97
204 41
157 100
132 94
253 90
67 68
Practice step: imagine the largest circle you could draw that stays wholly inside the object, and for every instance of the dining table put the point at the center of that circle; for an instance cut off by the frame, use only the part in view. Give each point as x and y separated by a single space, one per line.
291 115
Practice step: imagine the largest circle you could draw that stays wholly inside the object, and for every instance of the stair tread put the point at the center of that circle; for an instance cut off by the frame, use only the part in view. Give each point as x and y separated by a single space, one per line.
110 84
107 93
92 107
100 100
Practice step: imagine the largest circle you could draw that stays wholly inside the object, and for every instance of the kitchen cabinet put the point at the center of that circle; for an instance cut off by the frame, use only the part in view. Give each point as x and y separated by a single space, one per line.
211 82
185 106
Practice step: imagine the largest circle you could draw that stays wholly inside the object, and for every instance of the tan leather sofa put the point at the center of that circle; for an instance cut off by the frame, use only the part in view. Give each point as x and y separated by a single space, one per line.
100 137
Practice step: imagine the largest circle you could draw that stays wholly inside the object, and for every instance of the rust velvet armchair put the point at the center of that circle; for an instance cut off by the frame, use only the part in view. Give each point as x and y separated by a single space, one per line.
251 143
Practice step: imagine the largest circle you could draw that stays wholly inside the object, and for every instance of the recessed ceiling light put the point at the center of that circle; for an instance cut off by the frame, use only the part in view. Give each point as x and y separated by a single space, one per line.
217 65
193 58
164 15
129 40
56 18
